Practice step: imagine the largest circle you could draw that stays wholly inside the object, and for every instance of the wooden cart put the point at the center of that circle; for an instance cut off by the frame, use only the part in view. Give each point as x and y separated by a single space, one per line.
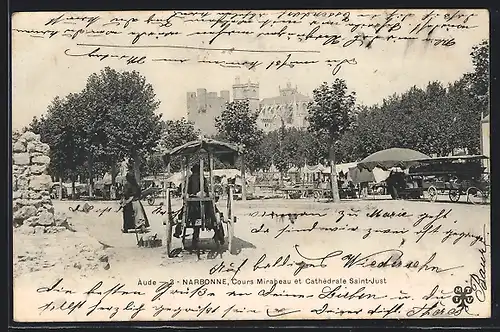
209 217
455 177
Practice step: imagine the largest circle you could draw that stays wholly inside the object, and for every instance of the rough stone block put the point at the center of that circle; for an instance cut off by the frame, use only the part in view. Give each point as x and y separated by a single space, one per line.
49 208
18 170
35 146
40 182
29 136
34 195
38 203
18 147
21 183
40 160
38 169
36 154
19 203
21 159
27 172
17 194
25 212
46 200
46 219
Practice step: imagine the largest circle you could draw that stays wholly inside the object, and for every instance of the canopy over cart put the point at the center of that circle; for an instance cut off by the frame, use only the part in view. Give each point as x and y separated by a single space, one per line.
225 152
394 157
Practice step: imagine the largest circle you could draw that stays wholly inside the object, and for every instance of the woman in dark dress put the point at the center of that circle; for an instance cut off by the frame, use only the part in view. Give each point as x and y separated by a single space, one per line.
134 215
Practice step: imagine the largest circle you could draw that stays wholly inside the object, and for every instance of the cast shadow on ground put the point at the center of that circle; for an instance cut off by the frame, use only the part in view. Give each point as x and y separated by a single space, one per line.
421 200
207 247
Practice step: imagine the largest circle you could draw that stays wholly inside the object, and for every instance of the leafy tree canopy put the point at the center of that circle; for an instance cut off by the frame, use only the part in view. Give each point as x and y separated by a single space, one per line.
238 124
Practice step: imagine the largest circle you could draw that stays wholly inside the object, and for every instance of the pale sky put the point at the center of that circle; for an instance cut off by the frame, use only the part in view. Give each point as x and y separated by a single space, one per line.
41 70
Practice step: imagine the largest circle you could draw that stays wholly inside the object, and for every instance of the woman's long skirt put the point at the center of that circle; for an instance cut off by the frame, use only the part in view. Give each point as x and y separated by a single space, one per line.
134 216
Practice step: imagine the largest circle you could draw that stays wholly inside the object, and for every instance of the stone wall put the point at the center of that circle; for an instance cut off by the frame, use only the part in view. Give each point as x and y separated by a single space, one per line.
32 207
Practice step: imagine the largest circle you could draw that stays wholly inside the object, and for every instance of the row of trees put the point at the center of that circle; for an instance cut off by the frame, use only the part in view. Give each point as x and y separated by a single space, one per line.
434 120
114 118
90 132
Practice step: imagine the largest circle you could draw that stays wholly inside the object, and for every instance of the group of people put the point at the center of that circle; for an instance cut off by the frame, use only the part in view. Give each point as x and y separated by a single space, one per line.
135 218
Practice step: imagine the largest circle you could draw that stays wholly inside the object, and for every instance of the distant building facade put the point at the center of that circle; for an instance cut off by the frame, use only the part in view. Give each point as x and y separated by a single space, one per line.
203 107
246 91
289 108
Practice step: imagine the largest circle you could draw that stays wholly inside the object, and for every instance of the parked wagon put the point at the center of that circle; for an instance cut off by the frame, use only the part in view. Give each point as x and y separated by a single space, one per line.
455 177
199 212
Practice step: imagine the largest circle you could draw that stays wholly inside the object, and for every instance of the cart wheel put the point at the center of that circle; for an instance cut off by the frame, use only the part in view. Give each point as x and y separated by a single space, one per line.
433 193
475 196
454 195
151 200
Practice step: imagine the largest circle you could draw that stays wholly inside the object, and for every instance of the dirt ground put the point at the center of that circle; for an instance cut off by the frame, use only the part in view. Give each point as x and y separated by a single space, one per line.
98 248
98 233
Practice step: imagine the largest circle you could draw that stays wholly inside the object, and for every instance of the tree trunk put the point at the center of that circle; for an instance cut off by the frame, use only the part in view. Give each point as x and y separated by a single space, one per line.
90 165
60 188
113 181
114 173
73 188
136 166
243 180
333 175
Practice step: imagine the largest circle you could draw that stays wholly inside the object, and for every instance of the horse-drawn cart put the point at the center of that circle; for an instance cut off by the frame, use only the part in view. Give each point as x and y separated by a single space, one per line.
199 211
456 177
453 176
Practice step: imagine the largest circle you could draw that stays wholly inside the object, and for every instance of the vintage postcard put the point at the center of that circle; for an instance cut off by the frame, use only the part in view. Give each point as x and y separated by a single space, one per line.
250 165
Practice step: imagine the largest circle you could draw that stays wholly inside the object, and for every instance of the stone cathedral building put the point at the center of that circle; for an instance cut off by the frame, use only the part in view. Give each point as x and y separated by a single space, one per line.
203 107
288 108
246 91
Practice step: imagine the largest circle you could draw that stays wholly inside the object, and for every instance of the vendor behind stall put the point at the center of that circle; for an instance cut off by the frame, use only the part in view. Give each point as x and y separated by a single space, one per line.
395 183
194 208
